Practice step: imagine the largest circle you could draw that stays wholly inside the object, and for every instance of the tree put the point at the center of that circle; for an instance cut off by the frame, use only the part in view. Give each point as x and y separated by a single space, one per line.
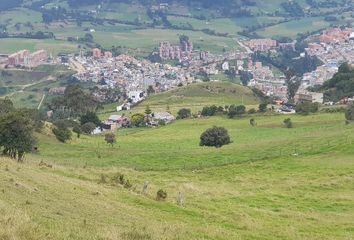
215 137
77 129
88 128
262 107
349 112
293 83
63 134
150 90
16 134
210 111
184 113
90 117
137 119
110 138
236 111
288 123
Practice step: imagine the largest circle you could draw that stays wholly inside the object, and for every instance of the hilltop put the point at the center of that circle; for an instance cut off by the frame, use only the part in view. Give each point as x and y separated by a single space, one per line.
196 96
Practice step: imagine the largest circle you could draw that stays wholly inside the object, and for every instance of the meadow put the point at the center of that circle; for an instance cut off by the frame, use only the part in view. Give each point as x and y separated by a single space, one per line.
246 190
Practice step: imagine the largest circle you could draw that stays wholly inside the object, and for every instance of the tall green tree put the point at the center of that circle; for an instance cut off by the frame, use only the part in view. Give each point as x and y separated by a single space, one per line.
16 134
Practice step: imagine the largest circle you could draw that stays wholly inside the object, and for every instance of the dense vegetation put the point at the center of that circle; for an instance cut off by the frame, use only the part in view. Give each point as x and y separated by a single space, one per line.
341 85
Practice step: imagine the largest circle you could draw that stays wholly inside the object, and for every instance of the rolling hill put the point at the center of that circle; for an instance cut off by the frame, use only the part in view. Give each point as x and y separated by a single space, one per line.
195 97
270 183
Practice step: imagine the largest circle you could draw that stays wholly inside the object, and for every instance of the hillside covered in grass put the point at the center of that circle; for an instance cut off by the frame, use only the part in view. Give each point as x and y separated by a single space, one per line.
270 183
195 97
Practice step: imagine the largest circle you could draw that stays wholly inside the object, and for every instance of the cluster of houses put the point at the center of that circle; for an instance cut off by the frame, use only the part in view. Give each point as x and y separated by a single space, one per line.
115 122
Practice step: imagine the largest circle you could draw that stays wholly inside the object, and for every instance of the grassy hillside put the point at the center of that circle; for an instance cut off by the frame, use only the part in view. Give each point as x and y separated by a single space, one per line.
195 97
255 188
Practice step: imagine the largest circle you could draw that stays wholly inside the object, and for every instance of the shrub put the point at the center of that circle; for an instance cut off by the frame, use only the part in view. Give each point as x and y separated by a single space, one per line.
184 113
210 111
137 120
288 123
253 122
236 111
307 108
215 137
161 195
110 138
88 128
62 134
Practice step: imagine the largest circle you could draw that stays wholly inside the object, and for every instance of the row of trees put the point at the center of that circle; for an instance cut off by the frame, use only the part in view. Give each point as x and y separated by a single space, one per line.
231 111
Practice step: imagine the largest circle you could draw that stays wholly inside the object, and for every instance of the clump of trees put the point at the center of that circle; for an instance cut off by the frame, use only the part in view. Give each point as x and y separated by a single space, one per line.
306 108
341 85
215 137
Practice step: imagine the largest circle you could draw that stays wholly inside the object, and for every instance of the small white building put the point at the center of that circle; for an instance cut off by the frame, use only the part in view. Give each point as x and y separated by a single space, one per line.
136 96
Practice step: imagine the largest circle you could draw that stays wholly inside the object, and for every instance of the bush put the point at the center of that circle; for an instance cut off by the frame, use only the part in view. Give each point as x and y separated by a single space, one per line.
62 134
138 119
288 123
210 111
90 117
161 195
307 108
236 111
253 122
110 138
215 137
184 113
88 128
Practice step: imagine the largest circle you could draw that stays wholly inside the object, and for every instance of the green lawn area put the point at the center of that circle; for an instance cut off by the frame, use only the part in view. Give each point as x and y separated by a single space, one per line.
294 27
177 146
148 39
255 188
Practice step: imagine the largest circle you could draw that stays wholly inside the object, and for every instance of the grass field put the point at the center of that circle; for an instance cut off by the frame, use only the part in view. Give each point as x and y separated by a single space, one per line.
247 190
10 45
26 88
293 28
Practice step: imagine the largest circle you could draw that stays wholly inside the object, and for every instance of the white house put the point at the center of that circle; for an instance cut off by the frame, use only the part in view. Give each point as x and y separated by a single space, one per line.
136 96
